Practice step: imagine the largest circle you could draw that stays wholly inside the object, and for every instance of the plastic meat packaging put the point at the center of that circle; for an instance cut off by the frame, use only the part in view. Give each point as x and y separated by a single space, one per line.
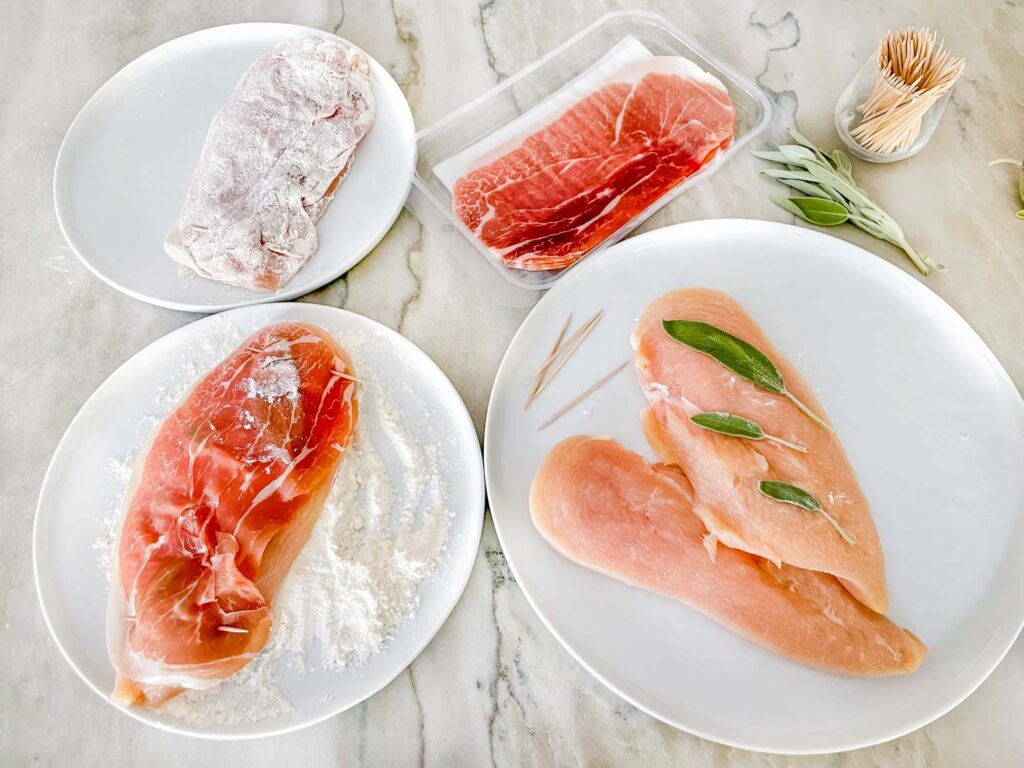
570 154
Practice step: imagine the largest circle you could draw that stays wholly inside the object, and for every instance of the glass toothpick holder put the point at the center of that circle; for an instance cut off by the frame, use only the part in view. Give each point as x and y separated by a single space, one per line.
848 117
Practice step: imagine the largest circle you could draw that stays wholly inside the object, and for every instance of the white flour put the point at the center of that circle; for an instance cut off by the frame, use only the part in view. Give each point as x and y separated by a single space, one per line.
378 535
275 377
119 472
384 528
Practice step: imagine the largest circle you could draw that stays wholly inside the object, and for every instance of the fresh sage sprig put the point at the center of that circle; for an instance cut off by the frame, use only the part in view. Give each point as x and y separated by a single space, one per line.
738 356
830 195
798 497
737 426
1020 178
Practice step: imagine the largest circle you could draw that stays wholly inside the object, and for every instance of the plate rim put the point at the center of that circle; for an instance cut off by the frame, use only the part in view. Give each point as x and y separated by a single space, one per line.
729 227
285 294
478 502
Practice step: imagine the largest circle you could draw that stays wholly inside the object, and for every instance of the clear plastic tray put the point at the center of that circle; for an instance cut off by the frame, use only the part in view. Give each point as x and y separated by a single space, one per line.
529 87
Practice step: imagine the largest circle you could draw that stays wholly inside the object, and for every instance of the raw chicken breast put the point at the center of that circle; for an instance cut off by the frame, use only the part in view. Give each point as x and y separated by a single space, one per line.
607 509
572 184
725 471
273 158
220 505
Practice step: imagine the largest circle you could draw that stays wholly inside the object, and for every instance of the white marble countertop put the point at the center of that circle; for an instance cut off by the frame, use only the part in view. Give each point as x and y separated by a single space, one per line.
494 687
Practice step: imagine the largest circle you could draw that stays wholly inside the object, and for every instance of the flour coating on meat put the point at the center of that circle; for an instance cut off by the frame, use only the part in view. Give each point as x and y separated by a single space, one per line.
274 155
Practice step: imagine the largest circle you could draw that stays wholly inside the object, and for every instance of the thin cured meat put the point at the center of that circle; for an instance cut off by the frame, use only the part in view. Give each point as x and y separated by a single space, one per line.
726 471
220 505
273 158
607 509
569 186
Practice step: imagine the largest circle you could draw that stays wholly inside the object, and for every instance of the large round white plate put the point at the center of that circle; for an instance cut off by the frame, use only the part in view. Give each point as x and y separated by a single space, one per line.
77 491
129 156
931 422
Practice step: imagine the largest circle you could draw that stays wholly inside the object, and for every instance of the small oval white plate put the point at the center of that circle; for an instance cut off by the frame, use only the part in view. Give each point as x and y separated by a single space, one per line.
931 422
77 492
129 156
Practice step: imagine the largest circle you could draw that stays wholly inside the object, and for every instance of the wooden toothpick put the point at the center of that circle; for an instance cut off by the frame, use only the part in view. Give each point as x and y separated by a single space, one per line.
581 396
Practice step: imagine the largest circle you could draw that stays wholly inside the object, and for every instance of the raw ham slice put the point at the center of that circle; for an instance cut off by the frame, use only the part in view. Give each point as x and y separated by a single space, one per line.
607 509
221 503
273 158
572 184
725 471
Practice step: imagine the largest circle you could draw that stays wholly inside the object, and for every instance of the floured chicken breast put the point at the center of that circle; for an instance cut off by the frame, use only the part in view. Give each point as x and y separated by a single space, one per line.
273 158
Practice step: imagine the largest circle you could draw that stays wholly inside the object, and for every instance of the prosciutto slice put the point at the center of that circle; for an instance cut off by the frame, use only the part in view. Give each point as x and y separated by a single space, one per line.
607 509
273 158
221 503
543 204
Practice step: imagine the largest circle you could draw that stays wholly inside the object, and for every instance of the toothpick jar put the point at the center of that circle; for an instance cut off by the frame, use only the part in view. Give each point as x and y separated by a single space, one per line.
891 108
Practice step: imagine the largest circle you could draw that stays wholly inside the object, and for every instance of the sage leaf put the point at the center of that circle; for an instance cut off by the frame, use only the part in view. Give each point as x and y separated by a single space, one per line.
734 353
775 157
807 144
813 190
1003 160
830 177
786 204
823 213
743 359
841 162
728 424
737 426
777 173
789 494
798 497
1018 164
827 177
794 153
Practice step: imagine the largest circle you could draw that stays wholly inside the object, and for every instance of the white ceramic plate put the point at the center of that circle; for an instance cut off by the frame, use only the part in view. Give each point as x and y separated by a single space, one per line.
77 492
930 420
128 160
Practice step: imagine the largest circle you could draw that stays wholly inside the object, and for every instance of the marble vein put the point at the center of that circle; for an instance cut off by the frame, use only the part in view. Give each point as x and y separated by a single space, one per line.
422 742
782 35
409 41
336 27
499 575
417 290
492 61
